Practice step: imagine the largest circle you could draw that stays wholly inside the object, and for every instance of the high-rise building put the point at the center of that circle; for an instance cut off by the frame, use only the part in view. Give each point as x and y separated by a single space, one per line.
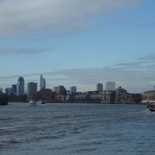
42 82
20 86
73 89
14 88
99 87
111 86
31 88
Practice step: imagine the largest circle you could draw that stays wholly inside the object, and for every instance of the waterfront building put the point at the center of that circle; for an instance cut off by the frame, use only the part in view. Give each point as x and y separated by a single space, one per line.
148 96
20 86
120 95
99 87
1 90
95 98
14 88
31 88
81 97
44 95
73 90
42 83
108 97
110 86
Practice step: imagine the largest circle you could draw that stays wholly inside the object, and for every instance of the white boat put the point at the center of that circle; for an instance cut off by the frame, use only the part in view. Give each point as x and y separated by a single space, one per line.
41 102
32 103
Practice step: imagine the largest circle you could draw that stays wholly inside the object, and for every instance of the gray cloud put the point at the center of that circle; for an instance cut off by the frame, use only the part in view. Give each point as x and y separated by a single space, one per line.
144 63
8 51
65 15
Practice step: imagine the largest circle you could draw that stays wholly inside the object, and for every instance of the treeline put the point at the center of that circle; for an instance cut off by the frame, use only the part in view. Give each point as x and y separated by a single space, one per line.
3 99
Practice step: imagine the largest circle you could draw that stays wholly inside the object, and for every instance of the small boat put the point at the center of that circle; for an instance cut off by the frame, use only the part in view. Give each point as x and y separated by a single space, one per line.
32 103
41 102
151 106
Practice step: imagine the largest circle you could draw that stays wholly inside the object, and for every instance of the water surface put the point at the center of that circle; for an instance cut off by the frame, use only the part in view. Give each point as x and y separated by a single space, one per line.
79 129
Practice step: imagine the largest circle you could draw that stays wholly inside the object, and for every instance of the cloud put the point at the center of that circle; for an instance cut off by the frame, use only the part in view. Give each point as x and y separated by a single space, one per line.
145 63
134 76
8 51
64 15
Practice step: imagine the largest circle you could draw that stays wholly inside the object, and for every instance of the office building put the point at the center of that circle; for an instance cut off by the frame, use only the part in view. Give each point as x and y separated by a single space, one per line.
42 82
14 88
31 88
73 90
20 86
110 86
99 87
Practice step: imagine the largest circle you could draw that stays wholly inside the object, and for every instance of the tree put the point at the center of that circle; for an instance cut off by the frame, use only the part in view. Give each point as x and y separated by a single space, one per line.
3 99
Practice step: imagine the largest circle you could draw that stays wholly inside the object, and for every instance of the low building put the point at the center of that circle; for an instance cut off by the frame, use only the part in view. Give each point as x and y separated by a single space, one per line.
108 97
81 97
148 96
95 98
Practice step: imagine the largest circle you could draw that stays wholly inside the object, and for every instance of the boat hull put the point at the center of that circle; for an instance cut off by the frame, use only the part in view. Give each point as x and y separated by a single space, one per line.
32 103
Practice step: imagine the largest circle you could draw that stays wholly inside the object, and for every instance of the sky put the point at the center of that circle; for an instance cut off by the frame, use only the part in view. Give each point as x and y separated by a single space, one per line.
78 43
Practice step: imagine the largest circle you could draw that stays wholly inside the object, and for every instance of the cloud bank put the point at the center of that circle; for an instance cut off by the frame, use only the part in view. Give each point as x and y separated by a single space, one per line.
134 79
64 15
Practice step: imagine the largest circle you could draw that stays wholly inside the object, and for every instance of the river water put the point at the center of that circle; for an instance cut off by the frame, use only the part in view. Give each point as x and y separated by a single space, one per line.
76 129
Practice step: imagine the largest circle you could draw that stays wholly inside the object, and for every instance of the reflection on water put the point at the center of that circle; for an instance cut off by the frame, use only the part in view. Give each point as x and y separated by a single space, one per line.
76 129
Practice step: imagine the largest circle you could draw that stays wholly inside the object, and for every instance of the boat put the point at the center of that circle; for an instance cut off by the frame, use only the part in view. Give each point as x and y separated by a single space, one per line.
32 103
151 106
41 102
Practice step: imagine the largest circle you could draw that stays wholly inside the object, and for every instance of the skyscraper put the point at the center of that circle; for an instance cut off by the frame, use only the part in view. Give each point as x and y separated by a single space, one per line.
31 88
110 86
99 87
73 89
42 82
14 88
20 86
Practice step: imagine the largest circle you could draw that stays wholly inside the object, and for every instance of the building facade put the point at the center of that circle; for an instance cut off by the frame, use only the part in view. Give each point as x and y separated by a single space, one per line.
20 86
108 97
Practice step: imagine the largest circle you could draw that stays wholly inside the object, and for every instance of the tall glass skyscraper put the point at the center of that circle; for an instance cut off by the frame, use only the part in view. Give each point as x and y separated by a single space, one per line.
42 82
20 86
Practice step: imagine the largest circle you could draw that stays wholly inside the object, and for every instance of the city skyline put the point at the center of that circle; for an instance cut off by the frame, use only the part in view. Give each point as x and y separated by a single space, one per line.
22 87
78 43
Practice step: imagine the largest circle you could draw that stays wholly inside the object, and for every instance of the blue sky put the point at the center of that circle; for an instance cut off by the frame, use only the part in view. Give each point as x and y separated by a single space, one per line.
78 42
